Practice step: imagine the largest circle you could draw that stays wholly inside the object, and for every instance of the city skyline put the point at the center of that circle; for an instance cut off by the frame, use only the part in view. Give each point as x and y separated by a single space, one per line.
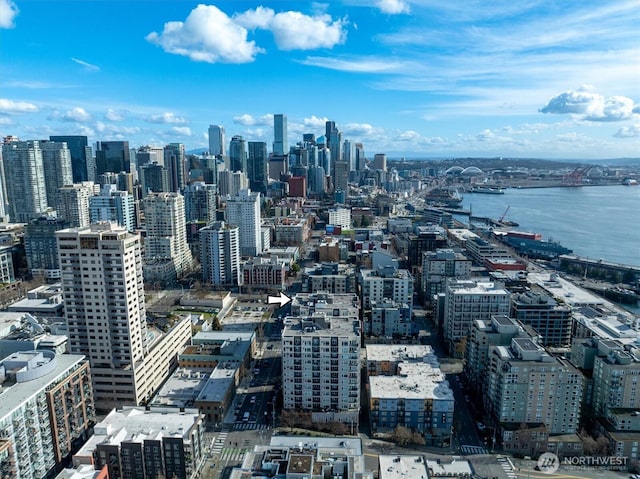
407 78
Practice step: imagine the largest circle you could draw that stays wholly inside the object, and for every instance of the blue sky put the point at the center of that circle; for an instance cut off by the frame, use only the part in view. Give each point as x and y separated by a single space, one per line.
425 78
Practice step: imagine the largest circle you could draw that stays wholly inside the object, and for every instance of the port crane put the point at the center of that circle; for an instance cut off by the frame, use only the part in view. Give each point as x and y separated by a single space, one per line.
575 178
504 214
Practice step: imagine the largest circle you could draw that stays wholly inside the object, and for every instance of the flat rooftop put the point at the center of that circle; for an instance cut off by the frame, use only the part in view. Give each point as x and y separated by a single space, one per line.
182 388
394 352
402 467
563 290
414 381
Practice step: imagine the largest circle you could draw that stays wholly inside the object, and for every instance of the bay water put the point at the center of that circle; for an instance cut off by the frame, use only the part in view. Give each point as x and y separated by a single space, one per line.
596 222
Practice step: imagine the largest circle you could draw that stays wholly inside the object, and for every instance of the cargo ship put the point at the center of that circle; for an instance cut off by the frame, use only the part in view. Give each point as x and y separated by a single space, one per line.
532 244
487 190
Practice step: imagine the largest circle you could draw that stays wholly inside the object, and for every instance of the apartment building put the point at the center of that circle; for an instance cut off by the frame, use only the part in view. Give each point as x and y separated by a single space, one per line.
153 442
438 267
320 357
46 405
105 311
530 389
466 301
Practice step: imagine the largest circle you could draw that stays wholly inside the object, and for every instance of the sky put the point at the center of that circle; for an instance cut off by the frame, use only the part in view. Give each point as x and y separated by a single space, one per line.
415 79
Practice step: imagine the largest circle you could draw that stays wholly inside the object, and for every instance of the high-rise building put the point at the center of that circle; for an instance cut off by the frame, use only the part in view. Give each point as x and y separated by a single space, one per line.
321 357
220 254
80 151
46 409
175 163
24 178
200 202
243 210
349 154
380 161
360 158
105 311
257 165
388 283
154 178
438 267
40 247
341 176
114 206
56 161
231 182
469 300
217 140
166 253
551 319
238 154
72 203
145 155
280 146
526 385
113 156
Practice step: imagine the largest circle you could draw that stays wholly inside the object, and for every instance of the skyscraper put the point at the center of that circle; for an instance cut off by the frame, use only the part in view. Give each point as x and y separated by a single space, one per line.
166 253
280 146
174 161
113 206
72 203
56 161
153 178
238 154
24 179
105 311
200 202
216 140
220 254
257 165
40 247
78 147
243 210
113 156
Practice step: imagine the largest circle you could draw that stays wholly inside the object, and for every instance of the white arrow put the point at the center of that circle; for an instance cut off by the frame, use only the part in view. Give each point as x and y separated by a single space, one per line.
282 299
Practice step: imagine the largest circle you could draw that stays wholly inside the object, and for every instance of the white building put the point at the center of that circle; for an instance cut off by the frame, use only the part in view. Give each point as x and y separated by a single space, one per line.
440 265
105 311
321 357
340 217
72 203
24 178
220 254
386 282
216 140
114 206
469 300
200 202
166 252
243 210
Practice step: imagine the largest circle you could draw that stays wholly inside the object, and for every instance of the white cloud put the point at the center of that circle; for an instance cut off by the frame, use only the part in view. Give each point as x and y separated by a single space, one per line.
590 106
315 122
393 7
5 120
297 31
87 66
180 131
76 114
8 11
115 115
360 130
248 120
207 35
408 135
628 132
116 130
167 117
360 65
11 107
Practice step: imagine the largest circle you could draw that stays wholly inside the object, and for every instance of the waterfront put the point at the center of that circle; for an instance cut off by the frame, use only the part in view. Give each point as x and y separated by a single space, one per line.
594 221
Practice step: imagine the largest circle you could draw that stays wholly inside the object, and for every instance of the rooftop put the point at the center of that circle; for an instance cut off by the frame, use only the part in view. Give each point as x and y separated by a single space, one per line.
414 381
394 352
402 467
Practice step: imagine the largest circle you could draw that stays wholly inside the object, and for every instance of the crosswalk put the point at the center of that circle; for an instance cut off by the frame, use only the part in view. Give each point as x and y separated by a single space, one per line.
473 450
507 467
232 454
242 426
218 445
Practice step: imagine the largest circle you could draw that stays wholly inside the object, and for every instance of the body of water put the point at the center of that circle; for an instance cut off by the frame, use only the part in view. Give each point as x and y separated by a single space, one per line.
594 221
